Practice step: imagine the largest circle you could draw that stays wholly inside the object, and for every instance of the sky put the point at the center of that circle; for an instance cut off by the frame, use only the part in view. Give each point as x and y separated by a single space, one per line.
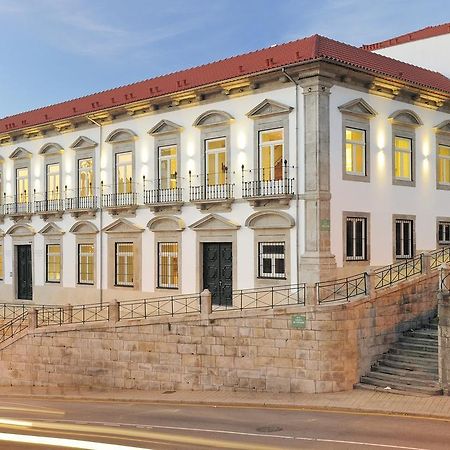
56 50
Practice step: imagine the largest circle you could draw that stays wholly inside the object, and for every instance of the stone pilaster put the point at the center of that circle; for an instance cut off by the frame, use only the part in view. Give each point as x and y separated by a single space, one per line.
317 262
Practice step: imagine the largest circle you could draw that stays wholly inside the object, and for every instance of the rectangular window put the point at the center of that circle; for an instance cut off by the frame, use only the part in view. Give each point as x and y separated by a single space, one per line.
85 263
124 173
53 263
356 239
444 164
403 158
168 265
22 191
355 152
53 186
271 260
404 247
271 151
168 167
1 262
124 264
444 233
85 177
216 161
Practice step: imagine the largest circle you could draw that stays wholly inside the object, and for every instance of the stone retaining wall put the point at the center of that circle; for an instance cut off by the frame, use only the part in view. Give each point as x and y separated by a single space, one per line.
257 350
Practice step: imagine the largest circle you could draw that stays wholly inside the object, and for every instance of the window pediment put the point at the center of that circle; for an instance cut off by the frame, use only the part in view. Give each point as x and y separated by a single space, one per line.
443 127
121 135
269 219
358 107
405 117
164 127
21 230
213 117
214 222
51 229
83 227
20 153
269 108
51 149
166 223
122 226
83 143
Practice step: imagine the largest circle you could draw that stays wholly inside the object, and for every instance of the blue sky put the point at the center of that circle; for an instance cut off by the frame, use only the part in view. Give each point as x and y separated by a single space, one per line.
55 50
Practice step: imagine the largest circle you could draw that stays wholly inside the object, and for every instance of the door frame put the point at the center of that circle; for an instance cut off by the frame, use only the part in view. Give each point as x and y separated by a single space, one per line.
15 270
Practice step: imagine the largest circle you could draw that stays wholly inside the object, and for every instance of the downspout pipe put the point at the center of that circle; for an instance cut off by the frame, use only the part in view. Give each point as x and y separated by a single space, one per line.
100 127
297 177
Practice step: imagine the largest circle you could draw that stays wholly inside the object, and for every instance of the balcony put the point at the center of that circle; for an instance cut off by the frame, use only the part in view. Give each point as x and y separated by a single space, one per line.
271 186
48 204
213 191
18 207
162 195
80 202
119 199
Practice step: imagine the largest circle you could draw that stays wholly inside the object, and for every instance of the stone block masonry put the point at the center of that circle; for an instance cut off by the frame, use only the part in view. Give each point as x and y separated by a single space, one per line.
270 350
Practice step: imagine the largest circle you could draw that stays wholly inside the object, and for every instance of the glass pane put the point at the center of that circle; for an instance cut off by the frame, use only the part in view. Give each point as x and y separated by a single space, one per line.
349 243
398 240
272 135
267 265
211 169
406 166
359 161
402 143
397 163
278 162
265 163
279 266
221 166
214 144
168 151
348 158
165 176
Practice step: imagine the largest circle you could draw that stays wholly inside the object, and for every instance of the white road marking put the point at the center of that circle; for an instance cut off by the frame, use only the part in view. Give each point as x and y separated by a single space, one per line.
67 443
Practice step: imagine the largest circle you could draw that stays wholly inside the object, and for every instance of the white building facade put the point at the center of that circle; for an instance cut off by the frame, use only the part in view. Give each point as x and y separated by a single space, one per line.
284 166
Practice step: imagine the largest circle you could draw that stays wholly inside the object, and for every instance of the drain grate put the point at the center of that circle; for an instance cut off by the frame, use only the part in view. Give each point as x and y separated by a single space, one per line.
269 429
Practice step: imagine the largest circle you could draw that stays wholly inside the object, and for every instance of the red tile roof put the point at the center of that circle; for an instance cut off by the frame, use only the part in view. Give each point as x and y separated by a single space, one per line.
308 49
424 33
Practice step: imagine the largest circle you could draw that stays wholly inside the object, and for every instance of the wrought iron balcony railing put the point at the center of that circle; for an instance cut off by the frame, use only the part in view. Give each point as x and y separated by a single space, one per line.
48 202
118 196
17 204
162 191
212 187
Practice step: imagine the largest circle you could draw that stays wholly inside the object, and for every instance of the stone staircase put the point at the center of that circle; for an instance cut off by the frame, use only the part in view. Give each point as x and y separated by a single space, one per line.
410 366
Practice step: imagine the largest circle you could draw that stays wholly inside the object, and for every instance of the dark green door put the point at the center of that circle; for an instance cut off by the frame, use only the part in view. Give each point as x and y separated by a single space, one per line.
218 272
24 273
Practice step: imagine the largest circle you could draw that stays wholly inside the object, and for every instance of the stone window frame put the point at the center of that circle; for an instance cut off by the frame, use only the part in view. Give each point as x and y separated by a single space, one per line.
362 124
357 262
52 154
396 217
2 256
167 239
22 161
2 179
80 155
439 220
53 240
215 129
441 139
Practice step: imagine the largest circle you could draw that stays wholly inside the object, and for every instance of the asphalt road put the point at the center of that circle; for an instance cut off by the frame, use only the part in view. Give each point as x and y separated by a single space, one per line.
44 424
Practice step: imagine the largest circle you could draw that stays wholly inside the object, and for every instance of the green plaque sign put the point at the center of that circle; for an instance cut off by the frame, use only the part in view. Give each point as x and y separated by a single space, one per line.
325 225
298 321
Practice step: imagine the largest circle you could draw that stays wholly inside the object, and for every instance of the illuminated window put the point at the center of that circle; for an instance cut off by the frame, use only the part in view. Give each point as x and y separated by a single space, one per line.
355 151
124 173
53 263
444 233
168 167
85 177
22 191
356 239
1 262
403 158
216 161
124 264
271 144
271 260
404 247
168 265
53 179
444 164
85 263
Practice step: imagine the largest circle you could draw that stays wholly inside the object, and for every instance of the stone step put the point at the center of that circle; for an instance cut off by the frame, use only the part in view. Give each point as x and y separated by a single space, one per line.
430 361
418 340
399 386
395 379
372 387
410 365
413 372
426 333
413 352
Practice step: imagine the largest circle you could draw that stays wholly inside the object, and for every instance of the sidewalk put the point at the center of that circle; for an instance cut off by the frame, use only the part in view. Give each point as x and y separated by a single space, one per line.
350 401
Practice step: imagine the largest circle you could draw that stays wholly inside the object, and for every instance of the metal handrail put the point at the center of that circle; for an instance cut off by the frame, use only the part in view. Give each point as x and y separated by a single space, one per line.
394 273
14 326
342 289
439 256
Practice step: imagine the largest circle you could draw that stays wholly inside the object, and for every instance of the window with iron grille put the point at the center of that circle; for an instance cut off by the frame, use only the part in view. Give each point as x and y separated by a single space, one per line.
53 263
404 247
356 239
124 264
85 263
271 260
168 265
444 233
